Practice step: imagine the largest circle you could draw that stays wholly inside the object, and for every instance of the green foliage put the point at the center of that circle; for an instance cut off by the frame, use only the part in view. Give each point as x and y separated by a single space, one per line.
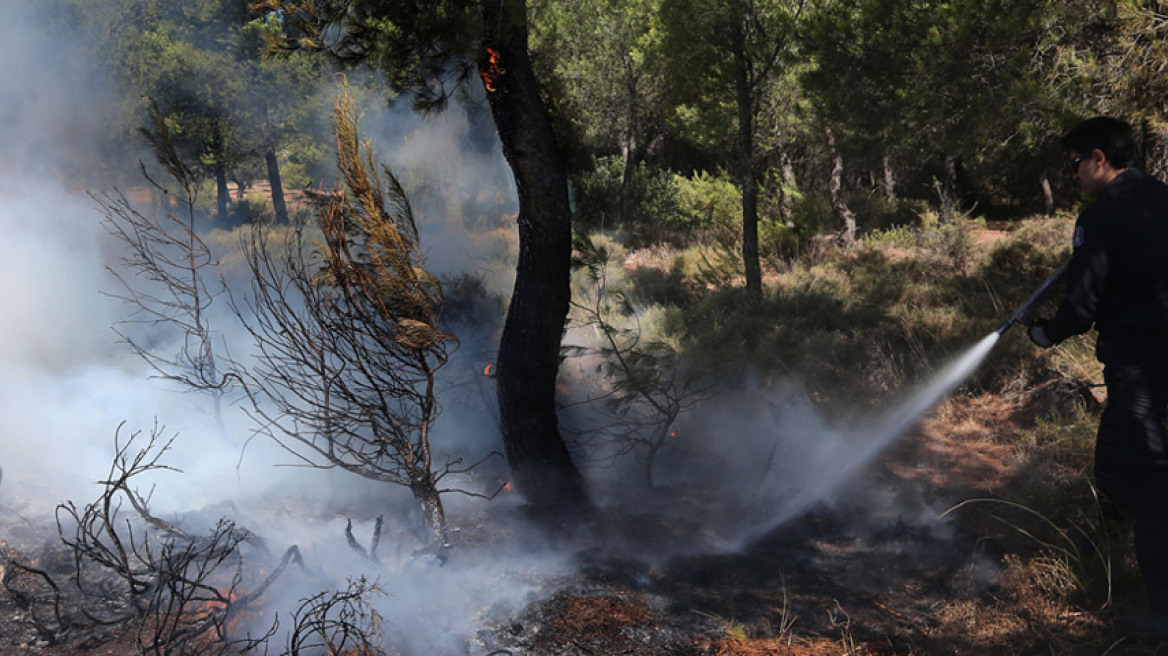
255 208
604 59
708 203
643 384
650 199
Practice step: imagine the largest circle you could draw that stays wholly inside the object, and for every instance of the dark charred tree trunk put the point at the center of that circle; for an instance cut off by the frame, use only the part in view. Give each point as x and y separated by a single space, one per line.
836 195
274 181
529 351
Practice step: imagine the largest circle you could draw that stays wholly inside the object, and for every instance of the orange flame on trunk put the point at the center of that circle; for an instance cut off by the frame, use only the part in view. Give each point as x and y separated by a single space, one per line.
492 70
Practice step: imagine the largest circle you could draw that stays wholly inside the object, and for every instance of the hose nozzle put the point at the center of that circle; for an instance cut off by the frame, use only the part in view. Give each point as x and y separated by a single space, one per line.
1023 313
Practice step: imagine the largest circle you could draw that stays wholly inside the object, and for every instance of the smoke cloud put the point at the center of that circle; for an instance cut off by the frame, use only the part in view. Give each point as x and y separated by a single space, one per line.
66 385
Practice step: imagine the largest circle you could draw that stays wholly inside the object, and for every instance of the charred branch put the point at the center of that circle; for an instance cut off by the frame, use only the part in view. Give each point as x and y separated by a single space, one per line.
51 629
342 622
647 385
371 554
166 283
181 590
346 333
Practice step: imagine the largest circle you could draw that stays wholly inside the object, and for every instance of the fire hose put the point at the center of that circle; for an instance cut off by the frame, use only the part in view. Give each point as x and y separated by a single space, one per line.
1024 312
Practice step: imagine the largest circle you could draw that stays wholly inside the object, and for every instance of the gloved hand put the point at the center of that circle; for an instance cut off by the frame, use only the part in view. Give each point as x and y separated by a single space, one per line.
1038 335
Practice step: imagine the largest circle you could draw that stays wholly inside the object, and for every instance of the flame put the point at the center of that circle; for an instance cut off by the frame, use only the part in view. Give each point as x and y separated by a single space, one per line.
508 486
489 370
492 70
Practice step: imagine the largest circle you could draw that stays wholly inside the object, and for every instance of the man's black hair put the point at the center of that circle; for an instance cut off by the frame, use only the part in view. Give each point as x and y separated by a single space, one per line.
1111 135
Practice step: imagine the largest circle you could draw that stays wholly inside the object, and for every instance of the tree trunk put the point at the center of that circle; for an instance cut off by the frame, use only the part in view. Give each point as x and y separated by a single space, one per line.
529 351
630 167
223 195
426 494
748 180
218 152
1047 195
835 192
786 202
889 180
629 145
274 181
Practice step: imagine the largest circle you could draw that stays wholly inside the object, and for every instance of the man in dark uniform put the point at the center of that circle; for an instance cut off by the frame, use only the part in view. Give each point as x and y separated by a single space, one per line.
1117 281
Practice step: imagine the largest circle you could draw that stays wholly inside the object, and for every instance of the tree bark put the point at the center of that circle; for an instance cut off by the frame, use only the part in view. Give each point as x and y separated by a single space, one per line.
786 202
889 179
222 196
748 180
529 351
1047 195
274 181
835 192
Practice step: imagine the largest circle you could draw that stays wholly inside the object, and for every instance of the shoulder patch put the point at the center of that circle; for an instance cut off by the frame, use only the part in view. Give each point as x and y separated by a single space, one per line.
1080 237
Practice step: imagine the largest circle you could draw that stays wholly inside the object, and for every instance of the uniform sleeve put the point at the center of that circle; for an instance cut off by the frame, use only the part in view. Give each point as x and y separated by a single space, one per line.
1086 279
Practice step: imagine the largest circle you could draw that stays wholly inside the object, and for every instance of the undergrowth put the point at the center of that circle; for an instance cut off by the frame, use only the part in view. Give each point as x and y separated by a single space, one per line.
857 326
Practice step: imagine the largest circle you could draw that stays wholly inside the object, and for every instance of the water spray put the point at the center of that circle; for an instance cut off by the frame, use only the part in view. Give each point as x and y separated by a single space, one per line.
1023 313
834 469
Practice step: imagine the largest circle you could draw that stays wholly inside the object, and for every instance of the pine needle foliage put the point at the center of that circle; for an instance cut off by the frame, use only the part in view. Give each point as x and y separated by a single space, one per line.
371 250
347 336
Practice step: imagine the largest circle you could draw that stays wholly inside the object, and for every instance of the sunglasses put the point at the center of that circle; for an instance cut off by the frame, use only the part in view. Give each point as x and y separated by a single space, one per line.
1074 163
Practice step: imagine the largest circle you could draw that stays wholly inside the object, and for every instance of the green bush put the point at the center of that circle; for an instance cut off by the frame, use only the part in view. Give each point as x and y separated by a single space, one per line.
651 205
875 213
708 204
255 208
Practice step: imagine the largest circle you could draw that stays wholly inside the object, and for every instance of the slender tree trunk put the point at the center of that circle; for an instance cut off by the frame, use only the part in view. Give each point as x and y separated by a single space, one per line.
240 189
222 196
628 148
274 181
629 143
786 202
529 351
748 180
1047 195
948 193
889 180
426 494
835 192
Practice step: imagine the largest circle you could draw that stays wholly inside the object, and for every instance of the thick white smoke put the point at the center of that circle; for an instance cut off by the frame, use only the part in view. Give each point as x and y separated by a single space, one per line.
66 384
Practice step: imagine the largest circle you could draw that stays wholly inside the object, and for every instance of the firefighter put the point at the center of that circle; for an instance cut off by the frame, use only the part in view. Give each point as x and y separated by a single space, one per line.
1117 280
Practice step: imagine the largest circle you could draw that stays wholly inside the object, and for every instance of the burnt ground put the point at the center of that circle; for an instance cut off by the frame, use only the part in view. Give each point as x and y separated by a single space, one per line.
841 580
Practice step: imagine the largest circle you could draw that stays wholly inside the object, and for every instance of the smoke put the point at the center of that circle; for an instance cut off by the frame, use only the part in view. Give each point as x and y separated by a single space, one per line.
56 100
67 386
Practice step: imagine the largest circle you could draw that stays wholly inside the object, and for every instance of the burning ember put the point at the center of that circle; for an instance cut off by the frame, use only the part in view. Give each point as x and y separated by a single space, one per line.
492 71
489 370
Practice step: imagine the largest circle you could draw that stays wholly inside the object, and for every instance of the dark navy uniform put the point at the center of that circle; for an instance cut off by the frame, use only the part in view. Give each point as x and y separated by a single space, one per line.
1118 281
